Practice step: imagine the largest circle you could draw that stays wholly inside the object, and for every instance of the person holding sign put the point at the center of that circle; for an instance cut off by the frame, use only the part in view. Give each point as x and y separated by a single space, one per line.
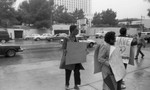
127 51
109 82
71 67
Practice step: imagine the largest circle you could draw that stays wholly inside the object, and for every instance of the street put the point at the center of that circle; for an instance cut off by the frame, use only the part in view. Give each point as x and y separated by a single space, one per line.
37 68
33 53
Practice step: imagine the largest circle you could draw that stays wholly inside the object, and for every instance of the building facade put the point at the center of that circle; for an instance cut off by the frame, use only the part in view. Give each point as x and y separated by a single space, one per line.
72 5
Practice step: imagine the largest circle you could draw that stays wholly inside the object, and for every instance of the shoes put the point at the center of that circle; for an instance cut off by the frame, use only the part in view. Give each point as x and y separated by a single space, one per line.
76 87
123 86
67 87
142 56
136 58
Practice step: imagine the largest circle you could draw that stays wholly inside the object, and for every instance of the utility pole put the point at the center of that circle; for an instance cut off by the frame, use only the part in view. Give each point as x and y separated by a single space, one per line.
142 25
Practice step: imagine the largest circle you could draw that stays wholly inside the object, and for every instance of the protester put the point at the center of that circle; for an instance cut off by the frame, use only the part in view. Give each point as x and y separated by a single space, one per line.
141 43
71 67
103 58
129 59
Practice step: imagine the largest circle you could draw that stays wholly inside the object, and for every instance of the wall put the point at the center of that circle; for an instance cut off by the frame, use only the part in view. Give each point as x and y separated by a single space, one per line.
11 32
93 30
60 27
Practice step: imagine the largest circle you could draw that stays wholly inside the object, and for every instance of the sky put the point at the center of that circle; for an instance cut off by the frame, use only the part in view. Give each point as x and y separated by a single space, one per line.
123 8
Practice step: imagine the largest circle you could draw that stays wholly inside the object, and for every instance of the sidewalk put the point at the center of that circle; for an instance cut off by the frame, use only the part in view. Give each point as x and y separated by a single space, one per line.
46 75
137 78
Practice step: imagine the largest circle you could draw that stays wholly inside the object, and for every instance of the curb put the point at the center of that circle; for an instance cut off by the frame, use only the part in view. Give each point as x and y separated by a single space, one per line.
94 88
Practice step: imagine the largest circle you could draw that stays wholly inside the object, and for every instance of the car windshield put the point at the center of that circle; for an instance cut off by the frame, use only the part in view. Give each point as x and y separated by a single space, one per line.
81 38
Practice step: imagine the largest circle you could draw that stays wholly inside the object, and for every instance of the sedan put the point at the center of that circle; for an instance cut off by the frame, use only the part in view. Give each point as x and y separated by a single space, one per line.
45 36
9 50
57 37
90 42
32 36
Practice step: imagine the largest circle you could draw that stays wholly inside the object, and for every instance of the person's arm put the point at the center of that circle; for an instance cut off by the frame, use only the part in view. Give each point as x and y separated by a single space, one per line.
64 45
134 42
143 42
102 56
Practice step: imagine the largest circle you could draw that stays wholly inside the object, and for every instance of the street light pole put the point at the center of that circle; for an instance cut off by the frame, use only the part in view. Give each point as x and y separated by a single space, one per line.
142 25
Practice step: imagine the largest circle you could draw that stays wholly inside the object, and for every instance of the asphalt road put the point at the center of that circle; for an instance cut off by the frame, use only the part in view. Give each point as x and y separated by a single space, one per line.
33 52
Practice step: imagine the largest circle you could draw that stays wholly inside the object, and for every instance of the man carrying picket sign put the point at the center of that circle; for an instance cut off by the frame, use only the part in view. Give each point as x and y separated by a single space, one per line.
126 45
108 60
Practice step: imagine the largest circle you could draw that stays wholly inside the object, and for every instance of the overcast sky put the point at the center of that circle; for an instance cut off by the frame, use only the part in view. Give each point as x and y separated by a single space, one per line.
123 8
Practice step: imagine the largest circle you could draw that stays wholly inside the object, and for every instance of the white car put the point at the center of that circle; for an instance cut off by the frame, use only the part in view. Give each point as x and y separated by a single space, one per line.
46 35
100 34
59 37
90 42
32 36
63 35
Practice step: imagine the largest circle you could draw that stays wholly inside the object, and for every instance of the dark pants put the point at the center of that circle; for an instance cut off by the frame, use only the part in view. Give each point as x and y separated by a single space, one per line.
77 80
120 82
139 51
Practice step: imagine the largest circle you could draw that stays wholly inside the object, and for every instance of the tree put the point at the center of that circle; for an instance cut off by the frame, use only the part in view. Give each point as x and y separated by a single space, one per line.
148 9
37 12
7 14
78 14
148 0
109 17
60 15
148 12
57 14
97 19
67 18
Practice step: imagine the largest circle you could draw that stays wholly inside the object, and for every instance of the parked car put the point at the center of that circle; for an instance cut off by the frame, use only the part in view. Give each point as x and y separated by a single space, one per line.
4 36
146 36
32 36
100 34
9 51
46 35
57 37
90 42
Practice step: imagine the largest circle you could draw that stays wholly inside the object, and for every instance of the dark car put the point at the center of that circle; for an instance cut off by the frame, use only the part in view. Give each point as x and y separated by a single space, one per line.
9 50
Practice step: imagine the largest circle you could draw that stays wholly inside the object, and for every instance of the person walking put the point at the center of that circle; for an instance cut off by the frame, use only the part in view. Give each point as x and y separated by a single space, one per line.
141 43
71 67
129 59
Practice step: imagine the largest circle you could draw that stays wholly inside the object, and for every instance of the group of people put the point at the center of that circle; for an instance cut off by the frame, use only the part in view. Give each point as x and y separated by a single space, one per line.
103 58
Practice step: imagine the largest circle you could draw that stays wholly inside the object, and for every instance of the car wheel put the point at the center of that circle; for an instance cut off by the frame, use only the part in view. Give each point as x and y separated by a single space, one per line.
50 40
11 53
3 41
101 37
148 40
91 45
26 38
37 39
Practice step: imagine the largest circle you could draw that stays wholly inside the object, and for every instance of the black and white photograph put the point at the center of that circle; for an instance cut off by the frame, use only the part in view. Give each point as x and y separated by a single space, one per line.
74 44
